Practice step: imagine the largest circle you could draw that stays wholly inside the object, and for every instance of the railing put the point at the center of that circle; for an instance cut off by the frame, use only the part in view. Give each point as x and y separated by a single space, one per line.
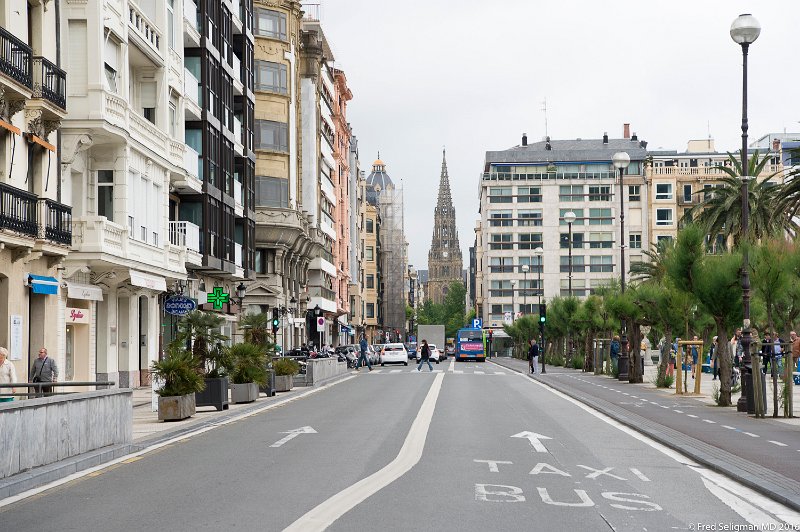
191 87
18 210
57 222
116 110
49 82
15 58
237 66
507 176
237 129
39 387
237 254
142 25
321 291
191 160
190 13
237 192
148 133
184 235
177 152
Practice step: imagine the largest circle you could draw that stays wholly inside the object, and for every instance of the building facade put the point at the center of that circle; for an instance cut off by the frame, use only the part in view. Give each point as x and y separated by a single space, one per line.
444 257
35 212
524 195
373 280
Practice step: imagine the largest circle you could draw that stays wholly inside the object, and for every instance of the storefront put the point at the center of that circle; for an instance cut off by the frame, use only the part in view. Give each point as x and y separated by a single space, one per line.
79 323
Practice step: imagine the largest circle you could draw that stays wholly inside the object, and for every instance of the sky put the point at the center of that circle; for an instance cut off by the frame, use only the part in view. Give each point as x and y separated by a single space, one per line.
472 76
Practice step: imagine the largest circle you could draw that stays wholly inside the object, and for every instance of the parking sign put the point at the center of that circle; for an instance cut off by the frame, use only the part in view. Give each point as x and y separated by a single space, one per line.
477 323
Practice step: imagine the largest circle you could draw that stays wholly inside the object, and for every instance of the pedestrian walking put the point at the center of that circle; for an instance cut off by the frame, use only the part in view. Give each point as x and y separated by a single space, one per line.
44 370
424 356
615 350
767 349
363 356
714 358
8 374
533 356
795 341
695 357
736 348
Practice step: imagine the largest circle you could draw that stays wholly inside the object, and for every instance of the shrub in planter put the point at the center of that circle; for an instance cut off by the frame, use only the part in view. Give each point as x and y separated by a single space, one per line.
200 330
178 372
248 371
285 370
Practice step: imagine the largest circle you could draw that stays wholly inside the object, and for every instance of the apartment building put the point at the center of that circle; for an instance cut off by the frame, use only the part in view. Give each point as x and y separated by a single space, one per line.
357 199
35 212
158 165
525 193
373 280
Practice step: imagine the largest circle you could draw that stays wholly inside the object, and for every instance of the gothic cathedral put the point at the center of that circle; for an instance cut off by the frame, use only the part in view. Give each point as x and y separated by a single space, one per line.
444 257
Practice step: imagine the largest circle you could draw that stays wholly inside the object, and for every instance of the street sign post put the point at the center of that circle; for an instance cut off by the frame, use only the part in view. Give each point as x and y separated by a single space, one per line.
179 305
477 323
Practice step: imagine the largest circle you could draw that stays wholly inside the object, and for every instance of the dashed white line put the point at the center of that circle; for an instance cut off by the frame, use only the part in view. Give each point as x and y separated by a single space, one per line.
625 393
479 372
678 411
728 427
779 444
662 406
751 434
708 421
691 415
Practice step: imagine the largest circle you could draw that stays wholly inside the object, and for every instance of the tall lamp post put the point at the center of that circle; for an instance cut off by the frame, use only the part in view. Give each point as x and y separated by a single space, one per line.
621 161
744 31
525 269
570 218
513 310
539 252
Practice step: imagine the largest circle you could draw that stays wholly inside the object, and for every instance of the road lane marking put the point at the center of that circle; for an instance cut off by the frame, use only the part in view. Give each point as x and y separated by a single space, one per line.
395 370
328 512
534 438
728 427
639 474
293 434
479 372
678 411
779 444
708 421
691 415
500 373
751 434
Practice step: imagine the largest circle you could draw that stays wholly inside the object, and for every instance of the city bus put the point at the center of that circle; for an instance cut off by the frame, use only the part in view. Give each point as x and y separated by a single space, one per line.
470 344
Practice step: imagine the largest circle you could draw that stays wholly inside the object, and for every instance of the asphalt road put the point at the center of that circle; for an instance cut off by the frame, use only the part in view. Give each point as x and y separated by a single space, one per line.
483 449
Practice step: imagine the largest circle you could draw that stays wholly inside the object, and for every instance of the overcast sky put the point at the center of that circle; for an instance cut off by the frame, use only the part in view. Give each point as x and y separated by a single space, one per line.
472 75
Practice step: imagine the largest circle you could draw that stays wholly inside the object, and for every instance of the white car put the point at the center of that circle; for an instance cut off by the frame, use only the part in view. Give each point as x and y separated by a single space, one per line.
394 354
436 355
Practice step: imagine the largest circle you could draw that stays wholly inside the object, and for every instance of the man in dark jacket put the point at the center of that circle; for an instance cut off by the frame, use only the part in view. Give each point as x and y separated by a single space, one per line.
44 370
363 346
533 356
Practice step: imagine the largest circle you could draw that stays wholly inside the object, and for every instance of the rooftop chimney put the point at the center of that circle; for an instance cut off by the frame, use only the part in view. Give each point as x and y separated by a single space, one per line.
524 139
634 137
626 131
605 137
643 144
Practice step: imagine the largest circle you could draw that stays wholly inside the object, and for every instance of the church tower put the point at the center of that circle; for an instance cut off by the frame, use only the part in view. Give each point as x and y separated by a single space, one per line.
444 257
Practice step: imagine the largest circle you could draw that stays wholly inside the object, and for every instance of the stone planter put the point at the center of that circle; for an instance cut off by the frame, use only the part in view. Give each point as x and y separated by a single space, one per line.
176 408
244 393
215 394
284 383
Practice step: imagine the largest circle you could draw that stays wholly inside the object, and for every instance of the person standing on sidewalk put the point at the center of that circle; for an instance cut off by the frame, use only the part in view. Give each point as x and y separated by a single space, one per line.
424 356
695 357
363 356
533 356
8 374
795 341
714 361
44 370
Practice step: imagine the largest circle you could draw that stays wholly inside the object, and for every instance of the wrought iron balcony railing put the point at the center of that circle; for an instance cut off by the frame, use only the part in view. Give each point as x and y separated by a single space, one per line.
57 222
18 210
15 58
49 82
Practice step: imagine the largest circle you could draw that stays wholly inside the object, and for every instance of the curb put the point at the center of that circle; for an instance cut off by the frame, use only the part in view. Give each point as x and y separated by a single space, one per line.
690 447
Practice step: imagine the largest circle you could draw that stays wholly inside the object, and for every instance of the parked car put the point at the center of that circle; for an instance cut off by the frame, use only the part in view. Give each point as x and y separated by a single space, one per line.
436 355
411 347
394 354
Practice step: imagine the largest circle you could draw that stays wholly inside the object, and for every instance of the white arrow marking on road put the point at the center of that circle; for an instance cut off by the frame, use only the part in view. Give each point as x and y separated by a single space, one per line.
534 439
293 434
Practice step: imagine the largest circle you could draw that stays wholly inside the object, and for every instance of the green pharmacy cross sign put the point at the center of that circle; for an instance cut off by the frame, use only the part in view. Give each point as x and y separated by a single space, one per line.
218 297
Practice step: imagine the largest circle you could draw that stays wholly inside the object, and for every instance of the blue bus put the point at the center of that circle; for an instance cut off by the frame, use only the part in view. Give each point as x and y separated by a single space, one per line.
470 344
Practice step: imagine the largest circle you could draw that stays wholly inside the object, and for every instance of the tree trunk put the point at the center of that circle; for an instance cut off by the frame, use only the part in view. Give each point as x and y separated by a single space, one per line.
635 355
725 360
664 362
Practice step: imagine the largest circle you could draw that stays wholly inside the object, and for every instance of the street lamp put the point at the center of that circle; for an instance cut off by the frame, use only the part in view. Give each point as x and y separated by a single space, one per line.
513 311
525 269
539 252
570 218
621 161
744 31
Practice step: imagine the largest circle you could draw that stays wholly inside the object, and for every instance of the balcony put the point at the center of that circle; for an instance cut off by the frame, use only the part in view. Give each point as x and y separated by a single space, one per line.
321 292
192 26
146 30
237 254
15 59
191 160
18 210
49 82
192 94
57 225
177 152
238 196
149 134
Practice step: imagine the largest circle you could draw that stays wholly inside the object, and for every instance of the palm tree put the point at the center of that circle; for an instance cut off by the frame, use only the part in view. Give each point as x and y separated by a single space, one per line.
790 191
721 213
256 328
201 330
654 268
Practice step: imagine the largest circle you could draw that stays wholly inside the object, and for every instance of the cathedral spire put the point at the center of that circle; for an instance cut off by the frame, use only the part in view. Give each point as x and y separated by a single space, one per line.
444 257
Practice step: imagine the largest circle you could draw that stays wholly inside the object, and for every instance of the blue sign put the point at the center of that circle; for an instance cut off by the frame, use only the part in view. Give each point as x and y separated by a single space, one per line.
179 305
477 323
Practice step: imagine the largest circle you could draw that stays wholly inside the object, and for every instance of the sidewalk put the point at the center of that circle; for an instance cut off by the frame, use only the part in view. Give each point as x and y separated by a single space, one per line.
760 453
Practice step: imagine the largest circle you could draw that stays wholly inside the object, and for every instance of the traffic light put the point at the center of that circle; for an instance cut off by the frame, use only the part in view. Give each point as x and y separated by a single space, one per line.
490 335
276 321
542 312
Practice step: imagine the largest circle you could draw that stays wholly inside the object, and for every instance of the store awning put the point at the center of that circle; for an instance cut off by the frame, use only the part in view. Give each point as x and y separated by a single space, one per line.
146 280
41 284
84 291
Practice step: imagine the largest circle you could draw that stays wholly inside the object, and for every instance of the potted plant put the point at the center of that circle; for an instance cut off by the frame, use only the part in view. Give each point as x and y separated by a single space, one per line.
249 370
201 331
285 370
178 372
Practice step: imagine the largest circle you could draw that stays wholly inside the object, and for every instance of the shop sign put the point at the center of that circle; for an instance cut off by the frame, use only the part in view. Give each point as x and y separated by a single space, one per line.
77 315
179 305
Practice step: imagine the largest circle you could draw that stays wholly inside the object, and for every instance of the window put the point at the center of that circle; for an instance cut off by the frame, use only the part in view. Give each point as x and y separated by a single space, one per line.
370 226
687 193
659 238
270 23
634 193
111 78
501 288
663 191
570 193
501 242
601 264
500 195
578 287
530 241
171 22
578 263
111 64
600 217
271 135
370 280
272 192
501 264
529 195
600 193
500 219
148 98
578 216
577 240
635 240
535 263
601 240
265 261
105 194
271 77
663 216
370 310
369 254
529 218
173 117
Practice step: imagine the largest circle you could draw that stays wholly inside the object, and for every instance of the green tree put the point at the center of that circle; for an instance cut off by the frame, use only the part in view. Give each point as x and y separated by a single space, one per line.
201 331
653 269
451 313
256 328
